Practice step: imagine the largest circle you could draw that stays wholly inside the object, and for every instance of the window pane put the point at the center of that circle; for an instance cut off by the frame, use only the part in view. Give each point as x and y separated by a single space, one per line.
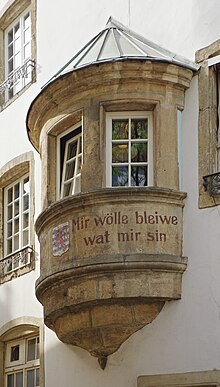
27 20
10 380
79 163
120 176
9 246
72 150
15 353
25 220
139 176
31 349
30 378
25 202
27 51
19 379
37 377
139 128
16 242
16 225
120 129
77 188
17 45
27 35
16 208
16 191
70 168
10 51
17 60
10 195
139 152
38 348
9 229
10 36
10 212
26 187
120 153
25 238
17 30
10 66
67 189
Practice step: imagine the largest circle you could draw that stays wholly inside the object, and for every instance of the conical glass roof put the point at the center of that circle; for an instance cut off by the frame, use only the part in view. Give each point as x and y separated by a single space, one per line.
117 42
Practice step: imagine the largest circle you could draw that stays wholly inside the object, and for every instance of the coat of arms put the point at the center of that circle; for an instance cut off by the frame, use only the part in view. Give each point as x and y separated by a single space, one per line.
60 239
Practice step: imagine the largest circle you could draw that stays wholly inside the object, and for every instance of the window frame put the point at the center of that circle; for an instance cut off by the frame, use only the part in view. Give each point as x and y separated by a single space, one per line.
10 173
22 82
61 166
20 215
8 15
129 115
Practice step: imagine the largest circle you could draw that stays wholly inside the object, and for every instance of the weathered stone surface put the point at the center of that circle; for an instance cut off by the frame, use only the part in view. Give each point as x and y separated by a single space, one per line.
98 293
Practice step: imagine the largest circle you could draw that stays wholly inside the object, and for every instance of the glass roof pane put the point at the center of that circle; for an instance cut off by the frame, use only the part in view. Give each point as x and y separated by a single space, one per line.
92 52
127 47
109 49
149 51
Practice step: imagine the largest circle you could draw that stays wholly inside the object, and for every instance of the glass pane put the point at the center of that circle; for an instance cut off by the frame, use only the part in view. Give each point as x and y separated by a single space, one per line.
72 150
139 176
119 153
19 379
26 186
27 51
37 377
77 187
139 152
27 35
25 238
16 208
17 60
25 202
80 144
10 66
17 30
79 163
31 349
10 51
17 45
10 36
67 190
10 195
139 128
9 246
38 348
16 242
10 380
10 211
27 20
30 378
25 220
9 229
119 129
120 176
16 191
16 225
70 168
15 353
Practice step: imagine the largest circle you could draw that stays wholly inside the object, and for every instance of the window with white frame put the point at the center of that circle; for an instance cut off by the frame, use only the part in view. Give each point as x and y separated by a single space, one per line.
70 155
129 149
17 39
16 219
22 363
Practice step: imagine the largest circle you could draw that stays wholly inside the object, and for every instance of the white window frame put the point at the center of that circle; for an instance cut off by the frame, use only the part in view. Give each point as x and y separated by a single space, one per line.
21 365
23 80
129 115
61 173
20 216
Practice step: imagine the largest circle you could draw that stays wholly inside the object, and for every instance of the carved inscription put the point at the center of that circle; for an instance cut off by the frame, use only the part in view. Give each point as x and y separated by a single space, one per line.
124 227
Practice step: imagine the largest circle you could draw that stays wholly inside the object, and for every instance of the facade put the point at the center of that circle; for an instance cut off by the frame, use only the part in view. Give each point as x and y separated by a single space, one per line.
110 193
